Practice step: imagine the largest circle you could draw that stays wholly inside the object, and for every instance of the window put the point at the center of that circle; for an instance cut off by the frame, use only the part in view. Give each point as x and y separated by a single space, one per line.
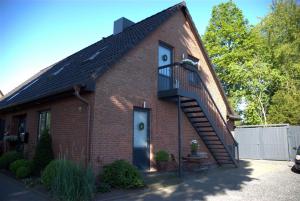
193 77
44 122
165 58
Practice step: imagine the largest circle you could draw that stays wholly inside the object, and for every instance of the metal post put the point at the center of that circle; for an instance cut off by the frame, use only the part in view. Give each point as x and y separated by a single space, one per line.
179 137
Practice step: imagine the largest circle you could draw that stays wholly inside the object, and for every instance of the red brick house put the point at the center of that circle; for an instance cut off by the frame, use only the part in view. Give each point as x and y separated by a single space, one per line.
128 96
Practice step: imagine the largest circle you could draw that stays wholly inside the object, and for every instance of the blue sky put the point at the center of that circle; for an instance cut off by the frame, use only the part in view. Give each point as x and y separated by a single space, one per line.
35 34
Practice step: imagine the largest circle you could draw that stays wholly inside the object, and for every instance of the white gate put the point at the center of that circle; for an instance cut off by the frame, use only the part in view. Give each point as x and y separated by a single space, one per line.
272 142
293 140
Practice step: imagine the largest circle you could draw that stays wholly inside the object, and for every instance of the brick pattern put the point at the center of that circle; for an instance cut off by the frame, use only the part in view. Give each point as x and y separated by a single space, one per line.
68 127
132 81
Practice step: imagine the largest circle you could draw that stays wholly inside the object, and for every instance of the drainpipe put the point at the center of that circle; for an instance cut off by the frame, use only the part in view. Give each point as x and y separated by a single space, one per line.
77 94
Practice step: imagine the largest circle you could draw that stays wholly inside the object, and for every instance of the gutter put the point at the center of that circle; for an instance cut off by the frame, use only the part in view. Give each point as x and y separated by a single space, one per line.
88 141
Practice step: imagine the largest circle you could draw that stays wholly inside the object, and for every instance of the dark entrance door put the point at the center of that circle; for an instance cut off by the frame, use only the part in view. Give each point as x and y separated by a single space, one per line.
141 139
2 128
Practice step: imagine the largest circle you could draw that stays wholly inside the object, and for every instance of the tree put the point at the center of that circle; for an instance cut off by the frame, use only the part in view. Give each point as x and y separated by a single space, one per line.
241 62
280 30
285 107
43 153
224 40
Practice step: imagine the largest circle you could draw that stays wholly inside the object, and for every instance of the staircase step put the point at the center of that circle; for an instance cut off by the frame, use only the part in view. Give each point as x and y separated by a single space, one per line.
208 134
200 121
210 138
220 154
205 129
189 106
213 142
204 126
225 161
219 151
216 146
194 111
188 101
196 116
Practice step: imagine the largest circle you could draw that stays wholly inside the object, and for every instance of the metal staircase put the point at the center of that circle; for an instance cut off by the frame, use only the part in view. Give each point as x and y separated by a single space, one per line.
182 83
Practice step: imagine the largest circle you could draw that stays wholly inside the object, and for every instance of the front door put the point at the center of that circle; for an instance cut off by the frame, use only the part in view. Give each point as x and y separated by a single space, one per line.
141 138
165 58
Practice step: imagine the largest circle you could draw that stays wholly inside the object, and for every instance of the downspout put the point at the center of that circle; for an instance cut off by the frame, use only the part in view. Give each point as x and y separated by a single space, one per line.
77 94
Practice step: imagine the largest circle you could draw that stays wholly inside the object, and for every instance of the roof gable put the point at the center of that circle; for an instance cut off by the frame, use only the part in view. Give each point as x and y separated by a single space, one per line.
85 66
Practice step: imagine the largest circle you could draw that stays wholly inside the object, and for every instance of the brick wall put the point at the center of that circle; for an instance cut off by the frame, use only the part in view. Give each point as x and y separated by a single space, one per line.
68 127
131 82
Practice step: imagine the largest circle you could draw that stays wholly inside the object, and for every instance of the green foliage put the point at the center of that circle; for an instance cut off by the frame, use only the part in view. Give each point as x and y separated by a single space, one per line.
23 171
285 107
103 188
280 30
50 172
20 163
69 181
121 174
255 62
7 158
225 39
161 156
43 153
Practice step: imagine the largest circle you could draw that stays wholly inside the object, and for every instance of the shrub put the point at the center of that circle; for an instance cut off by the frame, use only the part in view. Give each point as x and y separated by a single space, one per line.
103 188
7 158
161 156
69 181
23 172
49 173
43 153
19 163
121 174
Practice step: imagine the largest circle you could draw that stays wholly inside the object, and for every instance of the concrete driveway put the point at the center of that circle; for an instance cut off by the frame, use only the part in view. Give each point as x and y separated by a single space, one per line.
13 190
254 180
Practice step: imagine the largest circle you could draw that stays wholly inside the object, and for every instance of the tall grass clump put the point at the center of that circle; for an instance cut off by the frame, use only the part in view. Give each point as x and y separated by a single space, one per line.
69 181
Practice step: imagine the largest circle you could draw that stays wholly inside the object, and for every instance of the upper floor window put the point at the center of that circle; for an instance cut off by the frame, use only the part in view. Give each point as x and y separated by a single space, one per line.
165 57
44 122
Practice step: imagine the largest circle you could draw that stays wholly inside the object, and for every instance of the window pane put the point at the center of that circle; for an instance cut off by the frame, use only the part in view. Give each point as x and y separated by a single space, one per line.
48 121
44 122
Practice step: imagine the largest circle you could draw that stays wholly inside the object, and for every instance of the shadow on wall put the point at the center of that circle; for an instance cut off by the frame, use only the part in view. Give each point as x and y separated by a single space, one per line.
199 186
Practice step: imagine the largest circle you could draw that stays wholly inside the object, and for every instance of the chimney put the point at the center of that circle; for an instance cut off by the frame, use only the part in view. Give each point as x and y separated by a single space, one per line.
121 24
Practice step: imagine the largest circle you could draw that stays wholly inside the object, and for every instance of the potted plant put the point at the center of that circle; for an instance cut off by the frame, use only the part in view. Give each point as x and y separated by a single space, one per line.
194 147
189 62
162 159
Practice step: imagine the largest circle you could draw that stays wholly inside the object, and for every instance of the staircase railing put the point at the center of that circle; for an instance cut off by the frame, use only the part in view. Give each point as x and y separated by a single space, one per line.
187 78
